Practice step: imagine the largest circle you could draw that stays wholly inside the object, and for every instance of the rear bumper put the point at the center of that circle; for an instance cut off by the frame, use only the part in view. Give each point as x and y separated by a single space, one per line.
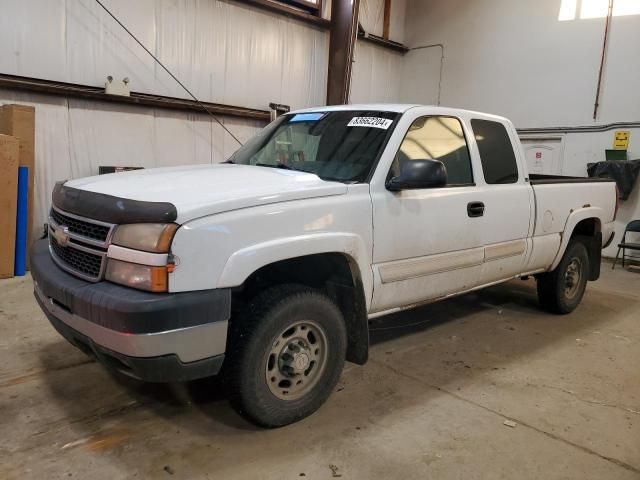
153 337
608 232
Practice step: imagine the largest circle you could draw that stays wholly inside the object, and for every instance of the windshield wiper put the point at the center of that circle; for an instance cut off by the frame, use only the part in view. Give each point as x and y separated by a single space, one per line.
276 165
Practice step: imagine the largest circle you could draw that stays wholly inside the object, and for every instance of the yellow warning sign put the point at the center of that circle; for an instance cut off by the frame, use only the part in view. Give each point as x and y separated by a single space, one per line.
621 140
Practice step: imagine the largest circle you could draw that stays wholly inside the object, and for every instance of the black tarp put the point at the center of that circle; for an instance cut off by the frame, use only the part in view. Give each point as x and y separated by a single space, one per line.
624 172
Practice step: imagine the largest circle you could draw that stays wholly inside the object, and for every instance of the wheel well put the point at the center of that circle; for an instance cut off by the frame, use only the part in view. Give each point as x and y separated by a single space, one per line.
587 227
589 232
336 274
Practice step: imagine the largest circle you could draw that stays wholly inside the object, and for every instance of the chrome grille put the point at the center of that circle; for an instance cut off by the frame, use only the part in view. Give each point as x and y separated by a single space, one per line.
82 228
79 245
78 261
86 230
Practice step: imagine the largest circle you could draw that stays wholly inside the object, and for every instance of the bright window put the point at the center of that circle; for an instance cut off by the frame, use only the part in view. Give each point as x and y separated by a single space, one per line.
587 9
437 138
313 6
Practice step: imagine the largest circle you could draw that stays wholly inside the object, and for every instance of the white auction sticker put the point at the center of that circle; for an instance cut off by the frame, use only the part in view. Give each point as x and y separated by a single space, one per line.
372 122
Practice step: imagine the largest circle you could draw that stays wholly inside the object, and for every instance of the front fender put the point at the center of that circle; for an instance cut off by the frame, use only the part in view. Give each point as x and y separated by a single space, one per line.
242 263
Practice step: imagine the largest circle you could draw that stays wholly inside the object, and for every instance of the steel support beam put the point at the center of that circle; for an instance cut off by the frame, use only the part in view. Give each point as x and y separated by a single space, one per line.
386 19
342 39
71 90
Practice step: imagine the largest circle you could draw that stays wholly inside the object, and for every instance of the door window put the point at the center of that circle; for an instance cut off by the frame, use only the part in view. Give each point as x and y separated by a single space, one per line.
496 152
437 138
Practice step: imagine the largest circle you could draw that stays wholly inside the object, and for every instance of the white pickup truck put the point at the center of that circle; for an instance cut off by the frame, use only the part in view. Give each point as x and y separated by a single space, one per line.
267 268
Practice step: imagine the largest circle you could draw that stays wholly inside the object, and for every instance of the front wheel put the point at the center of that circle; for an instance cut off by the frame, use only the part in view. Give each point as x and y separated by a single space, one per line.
561 290
286 353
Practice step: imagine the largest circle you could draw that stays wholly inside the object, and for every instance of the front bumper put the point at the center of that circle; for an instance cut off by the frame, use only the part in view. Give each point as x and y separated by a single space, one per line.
150 336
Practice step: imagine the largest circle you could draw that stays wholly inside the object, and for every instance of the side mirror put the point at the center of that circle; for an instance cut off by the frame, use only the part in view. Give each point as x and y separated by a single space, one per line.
426 173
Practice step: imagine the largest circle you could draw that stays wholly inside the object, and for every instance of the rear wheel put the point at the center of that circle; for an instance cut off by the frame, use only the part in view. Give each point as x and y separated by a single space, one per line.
286 354
561 290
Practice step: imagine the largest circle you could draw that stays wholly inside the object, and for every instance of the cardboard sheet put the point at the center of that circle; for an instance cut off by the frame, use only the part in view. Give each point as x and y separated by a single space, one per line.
9 153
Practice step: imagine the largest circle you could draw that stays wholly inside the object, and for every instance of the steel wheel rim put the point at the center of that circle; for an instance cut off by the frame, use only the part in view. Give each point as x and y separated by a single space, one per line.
296 360
572 278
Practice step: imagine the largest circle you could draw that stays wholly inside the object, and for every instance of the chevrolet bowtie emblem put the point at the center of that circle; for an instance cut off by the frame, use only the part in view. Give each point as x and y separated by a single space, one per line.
61 234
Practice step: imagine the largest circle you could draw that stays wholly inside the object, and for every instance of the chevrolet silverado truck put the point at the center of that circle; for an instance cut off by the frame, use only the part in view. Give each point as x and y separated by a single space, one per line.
267 268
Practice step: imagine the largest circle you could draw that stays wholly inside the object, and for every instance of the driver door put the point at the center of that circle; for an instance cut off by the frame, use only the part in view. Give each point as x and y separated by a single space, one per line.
428 243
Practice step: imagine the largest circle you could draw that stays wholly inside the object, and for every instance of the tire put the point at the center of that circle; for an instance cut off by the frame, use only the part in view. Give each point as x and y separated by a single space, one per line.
561 290
286 353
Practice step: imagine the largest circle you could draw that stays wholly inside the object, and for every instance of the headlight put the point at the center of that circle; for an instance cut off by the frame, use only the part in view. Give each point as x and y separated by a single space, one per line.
144 277
149 237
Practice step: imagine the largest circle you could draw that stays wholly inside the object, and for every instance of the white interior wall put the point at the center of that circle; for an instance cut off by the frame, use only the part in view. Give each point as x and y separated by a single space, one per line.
376 69
371 18
223 51
375 74
515 58
74 137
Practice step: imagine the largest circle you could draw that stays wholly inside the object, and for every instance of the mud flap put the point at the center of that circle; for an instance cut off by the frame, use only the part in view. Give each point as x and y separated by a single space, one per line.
351 299
594 248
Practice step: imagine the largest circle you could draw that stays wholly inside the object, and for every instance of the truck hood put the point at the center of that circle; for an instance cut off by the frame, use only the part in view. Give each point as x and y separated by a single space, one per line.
200 190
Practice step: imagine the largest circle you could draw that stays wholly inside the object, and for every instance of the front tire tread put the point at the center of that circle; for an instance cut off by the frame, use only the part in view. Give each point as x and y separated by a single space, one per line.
243 371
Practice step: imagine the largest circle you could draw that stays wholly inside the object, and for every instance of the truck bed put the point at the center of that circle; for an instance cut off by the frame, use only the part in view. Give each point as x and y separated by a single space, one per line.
557 197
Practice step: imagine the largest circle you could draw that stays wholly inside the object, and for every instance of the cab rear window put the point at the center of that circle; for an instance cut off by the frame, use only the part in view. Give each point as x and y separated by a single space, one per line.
496 152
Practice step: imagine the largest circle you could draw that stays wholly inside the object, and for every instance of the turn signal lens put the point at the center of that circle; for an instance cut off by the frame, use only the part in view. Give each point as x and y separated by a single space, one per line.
149 237
143 277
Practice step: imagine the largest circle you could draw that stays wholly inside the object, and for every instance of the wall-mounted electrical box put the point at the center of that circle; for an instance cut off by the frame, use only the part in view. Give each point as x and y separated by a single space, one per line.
117 87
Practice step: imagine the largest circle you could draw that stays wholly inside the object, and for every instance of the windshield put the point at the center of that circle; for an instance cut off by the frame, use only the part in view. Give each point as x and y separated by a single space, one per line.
340 145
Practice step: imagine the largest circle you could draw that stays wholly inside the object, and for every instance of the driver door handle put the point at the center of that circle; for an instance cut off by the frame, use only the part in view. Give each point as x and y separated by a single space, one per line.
475 209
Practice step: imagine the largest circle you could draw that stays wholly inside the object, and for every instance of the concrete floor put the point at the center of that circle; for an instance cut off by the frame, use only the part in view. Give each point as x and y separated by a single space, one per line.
431 402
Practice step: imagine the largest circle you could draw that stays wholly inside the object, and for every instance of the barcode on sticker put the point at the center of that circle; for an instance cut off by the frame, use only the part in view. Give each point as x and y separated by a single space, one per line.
372 122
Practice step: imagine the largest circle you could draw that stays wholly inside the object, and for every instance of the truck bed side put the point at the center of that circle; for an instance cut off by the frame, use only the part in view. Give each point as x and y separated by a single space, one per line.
561 204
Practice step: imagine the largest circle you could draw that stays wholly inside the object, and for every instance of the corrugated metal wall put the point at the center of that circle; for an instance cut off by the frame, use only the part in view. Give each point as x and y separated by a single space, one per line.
224 52
74 137
377 71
